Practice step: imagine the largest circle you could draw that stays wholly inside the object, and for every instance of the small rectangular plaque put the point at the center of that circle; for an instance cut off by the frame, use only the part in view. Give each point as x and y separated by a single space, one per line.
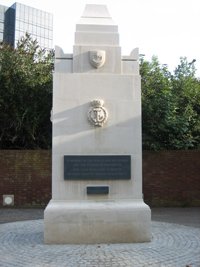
97 190
115 167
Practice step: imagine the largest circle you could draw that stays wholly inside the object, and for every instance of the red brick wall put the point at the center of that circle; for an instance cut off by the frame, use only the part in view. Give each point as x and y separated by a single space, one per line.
170 178
26 174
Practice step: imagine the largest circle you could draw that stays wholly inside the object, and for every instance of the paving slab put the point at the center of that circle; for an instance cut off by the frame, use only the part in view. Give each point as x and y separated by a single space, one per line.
16 214
189 216
172 245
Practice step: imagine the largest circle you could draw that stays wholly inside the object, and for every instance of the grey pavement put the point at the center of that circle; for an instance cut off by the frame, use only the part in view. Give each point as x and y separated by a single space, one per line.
14 215
184 216
175 243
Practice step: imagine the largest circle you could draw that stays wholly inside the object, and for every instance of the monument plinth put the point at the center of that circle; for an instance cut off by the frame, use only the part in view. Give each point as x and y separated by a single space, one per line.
96 149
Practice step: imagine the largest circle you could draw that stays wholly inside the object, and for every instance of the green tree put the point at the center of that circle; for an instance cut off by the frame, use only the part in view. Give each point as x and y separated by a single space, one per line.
170 102
186 91
170 106
157 103
25 95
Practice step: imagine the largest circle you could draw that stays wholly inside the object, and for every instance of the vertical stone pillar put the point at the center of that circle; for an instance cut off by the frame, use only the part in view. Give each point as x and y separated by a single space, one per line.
97 149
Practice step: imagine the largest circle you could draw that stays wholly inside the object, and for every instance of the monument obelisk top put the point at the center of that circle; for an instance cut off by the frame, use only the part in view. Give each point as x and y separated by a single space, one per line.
96 15
96 31
95 11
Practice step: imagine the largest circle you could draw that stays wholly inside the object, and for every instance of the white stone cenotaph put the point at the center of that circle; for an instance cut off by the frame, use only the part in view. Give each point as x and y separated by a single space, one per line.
96 151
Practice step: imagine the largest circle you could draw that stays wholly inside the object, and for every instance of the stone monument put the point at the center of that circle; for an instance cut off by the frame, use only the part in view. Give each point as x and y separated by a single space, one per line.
96 151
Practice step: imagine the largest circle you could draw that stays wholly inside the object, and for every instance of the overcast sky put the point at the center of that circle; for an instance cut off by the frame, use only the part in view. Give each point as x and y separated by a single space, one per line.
166 28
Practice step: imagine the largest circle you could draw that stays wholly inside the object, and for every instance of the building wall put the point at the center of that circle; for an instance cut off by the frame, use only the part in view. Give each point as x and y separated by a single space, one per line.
26 174
18 19
9 27
2 17
170 178
36 22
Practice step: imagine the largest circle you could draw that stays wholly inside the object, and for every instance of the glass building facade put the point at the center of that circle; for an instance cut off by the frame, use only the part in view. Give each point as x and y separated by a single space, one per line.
2 18
19 19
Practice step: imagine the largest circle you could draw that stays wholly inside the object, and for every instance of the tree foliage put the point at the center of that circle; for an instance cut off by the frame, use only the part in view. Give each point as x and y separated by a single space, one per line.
25 95
170 106
170 101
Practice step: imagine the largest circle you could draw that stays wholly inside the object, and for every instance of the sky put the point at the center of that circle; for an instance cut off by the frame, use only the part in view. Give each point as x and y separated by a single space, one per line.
168 29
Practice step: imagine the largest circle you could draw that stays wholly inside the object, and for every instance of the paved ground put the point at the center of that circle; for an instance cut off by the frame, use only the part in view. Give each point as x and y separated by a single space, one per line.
184 216
175 243
14 215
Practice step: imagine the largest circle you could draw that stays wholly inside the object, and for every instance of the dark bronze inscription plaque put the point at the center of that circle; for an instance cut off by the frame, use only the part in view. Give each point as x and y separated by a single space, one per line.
115 167
97 190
